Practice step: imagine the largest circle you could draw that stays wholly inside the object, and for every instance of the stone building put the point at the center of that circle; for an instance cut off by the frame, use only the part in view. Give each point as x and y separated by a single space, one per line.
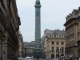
20 38
2 38
55 47
2 24
46 35
72 27
28 48
10 21
53 43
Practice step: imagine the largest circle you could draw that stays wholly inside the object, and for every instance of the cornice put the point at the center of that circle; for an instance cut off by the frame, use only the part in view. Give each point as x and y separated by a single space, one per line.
73 16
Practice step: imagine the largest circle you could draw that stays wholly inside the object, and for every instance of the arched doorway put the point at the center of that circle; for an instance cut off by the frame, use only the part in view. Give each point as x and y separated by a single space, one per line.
52 56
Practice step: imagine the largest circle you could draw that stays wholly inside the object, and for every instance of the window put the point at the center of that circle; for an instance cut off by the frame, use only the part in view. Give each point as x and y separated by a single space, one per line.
62 49
57 49
52 43
57 43
52 49
62 43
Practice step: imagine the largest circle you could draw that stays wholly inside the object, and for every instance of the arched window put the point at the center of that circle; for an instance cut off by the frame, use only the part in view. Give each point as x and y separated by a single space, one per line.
62 43
57 43
52 43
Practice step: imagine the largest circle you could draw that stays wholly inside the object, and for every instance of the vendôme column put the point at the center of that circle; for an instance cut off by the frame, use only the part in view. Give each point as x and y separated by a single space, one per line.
37 50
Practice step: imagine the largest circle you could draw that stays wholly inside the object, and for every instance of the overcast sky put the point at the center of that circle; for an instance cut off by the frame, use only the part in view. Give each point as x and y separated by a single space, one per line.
53 13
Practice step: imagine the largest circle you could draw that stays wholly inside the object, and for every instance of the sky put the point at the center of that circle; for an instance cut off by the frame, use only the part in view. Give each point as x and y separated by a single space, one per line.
53 15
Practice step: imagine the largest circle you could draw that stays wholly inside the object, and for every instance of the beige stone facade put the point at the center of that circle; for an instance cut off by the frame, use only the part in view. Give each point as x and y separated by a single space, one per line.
28 48
53 36
20 38
29 51
10 20
73 33
54 47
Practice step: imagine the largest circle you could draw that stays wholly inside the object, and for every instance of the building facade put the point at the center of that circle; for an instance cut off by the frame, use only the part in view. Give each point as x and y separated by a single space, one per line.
73 33
55 48
2 38
20 38
2 24
10 21
28 48
49 43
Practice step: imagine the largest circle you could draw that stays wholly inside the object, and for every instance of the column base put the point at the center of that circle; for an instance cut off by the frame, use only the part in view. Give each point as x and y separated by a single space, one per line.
37 54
